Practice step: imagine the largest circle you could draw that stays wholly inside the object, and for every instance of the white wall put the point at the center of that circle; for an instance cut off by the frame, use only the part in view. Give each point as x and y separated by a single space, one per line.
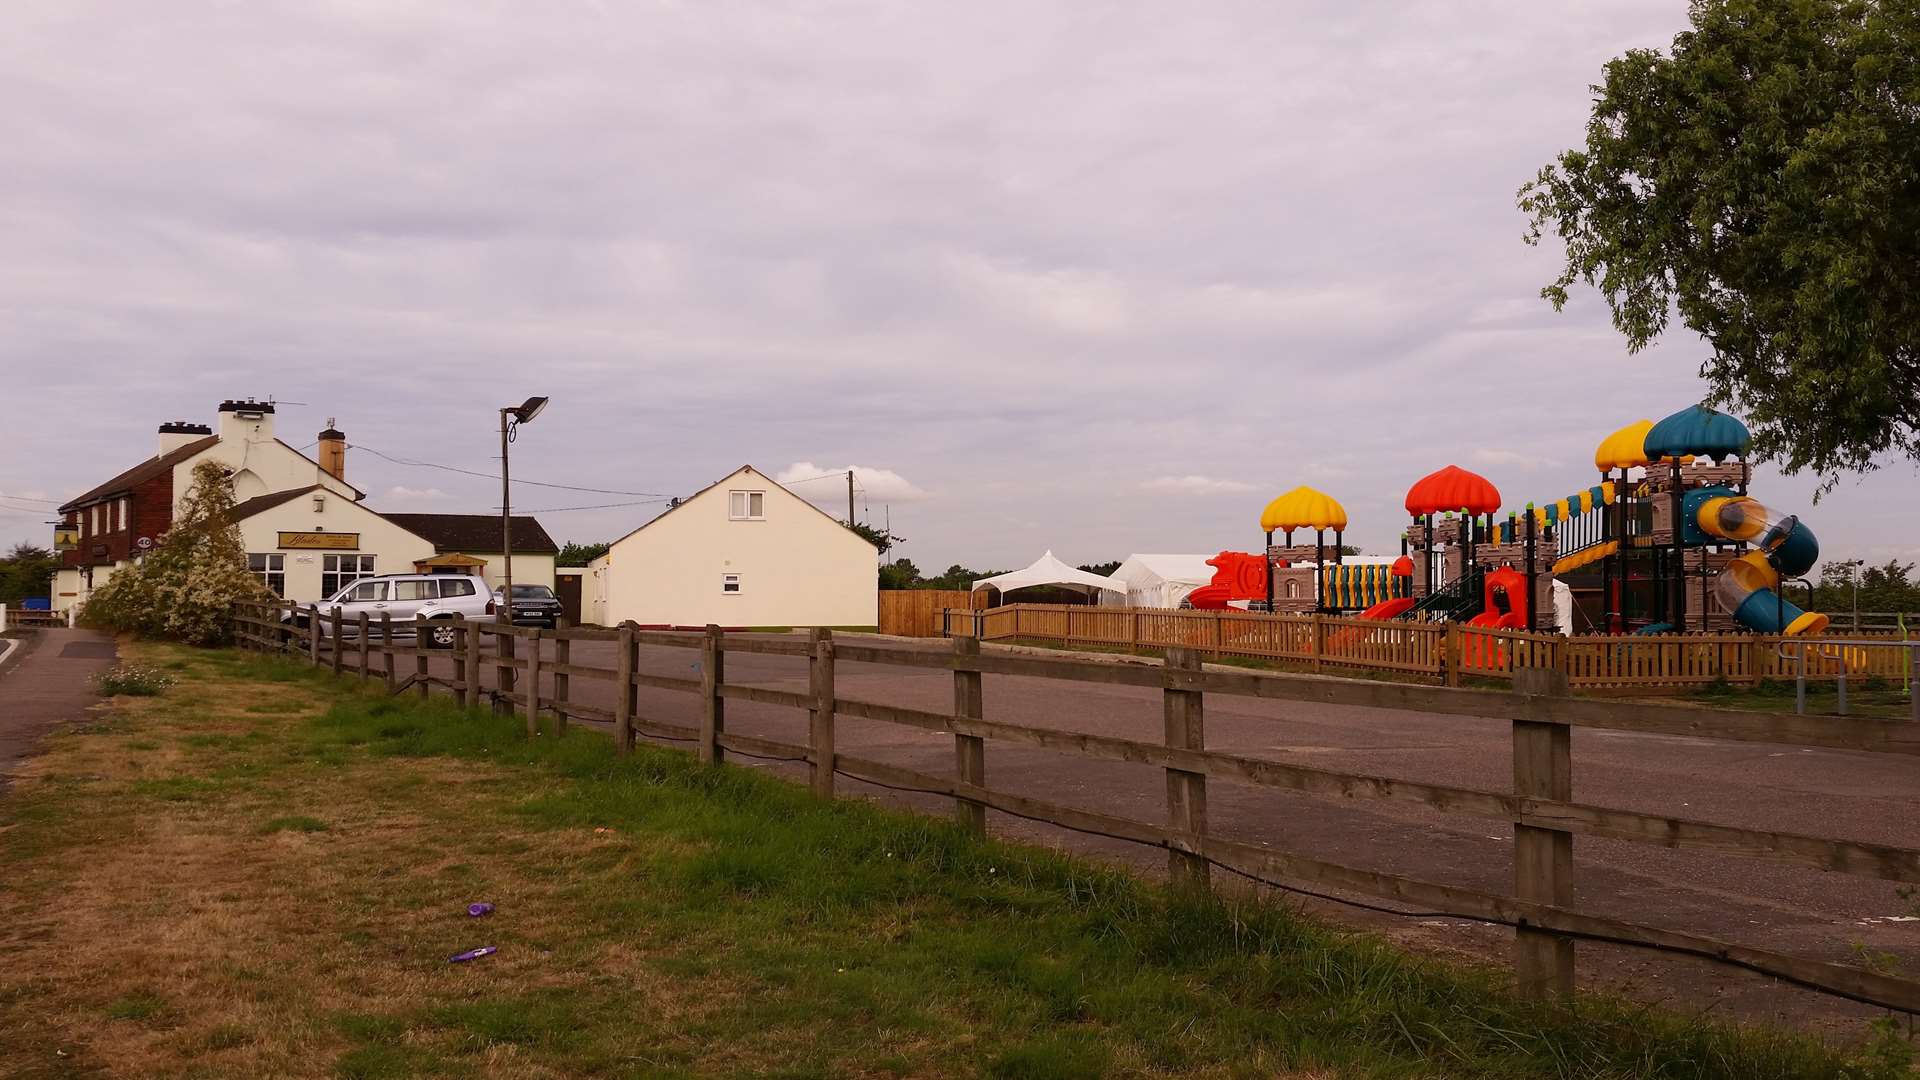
394 549
260 464
74 581
797 567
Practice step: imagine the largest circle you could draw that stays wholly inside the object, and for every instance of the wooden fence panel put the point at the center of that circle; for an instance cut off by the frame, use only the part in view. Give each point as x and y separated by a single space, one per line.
916 612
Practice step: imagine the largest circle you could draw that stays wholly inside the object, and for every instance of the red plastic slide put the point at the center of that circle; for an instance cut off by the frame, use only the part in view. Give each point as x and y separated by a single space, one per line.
1389 609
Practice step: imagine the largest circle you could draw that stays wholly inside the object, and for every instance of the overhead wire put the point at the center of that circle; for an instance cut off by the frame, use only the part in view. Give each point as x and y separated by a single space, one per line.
495 476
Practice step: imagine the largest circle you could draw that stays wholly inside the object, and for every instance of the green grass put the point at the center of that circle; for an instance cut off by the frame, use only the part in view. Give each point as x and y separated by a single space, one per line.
1874 698
725 923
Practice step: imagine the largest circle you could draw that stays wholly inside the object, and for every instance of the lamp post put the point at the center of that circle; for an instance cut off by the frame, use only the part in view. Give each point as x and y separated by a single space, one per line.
511 418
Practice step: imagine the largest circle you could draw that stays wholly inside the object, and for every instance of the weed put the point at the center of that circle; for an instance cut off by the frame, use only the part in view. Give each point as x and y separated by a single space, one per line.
129 680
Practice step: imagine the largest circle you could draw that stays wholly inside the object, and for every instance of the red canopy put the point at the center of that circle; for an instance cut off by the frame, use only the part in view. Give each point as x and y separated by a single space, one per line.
1453 488
1402 567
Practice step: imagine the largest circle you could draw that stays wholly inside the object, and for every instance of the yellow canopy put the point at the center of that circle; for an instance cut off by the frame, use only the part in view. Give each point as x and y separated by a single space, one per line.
1303 508
1624 449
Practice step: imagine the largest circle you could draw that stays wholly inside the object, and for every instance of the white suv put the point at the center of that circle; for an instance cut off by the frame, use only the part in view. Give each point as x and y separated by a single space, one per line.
423 602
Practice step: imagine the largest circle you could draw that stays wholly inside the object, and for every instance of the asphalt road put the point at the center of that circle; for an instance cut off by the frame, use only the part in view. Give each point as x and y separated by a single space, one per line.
1804 912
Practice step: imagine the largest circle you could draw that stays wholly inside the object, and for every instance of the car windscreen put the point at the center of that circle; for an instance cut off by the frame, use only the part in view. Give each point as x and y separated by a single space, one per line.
532 592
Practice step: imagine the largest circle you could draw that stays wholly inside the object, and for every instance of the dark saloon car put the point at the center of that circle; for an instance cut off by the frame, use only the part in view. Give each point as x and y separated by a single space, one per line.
533 605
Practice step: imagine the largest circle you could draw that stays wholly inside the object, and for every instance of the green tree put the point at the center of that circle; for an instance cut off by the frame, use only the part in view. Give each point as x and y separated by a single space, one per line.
577 554
26 572
187 586
1762 180
1104 569
879 538
899 574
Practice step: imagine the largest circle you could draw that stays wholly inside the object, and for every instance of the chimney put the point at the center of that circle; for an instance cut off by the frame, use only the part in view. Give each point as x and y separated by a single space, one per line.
333 452
246 421
175 434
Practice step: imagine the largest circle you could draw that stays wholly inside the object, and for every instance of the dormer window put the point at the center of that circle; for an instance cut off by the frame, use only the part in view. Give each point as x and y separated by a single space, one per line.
746 505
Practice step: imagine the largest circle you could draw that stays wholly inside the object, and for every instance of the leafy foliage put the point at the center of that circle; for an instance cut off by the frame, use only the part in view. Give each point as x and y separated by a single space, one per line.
577 554
1104 569
186 587
1879 588
879 538
26 572
1764 181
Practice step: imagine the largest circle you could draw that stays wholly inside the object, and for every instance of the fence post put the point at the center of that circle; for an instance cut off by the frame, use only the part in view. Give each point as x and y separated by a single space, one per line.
1913 683
1542 858
713 708
1319 642
313 634
503 673
820 717
361 629
463 672
339 645
1754 660
1800 680
623 690
969 751
386 649
421 662
1452 658
1186 791
562 685
533 681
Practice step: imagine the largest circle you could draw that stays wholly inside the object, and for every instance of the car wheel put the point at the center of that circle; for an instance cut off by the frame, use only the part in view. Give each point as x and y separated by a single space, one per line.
440 634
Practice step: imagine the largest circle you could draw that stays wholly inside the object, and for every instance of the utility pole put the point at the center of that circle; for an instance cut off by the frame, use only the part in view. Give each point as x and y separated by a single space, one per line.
505 612
849 496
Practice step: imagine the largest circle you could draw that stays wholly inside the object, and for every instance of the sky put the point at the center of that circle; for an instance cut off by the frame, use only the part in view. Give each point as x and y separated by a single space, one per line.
1101 278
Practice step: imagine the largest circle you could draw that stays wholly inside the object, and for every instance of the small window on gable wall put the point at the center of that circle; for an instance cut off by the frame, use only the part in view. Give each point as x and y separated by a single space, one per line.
746 505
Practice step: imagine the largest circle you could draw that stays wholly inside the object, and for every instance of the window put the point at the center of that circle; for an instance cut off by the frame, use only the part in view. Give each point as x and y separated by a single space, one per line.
125 506
453 586
319 504
339 571
271 570
746 505
415 589
368 591
730 583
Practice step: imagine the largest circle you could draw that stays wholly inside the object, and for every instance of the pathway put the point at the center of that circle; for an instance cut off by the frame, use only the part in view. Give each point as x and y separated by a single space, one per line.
50 685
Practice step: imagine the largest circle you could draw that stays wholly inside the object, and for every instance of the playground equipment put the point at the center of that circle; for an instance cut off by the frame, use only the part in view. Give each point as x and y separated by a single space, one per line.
1668 541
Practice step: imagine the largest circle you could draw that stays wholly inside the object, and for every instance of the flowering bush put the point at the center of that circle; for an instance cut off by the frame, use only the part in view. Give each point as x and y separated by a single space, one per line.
132 681
186 587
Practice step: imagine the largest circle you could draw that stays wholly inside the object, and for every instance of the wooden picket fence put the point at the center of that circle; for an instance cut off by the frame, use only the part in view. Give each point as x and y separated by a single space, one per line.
1448 652
1541 908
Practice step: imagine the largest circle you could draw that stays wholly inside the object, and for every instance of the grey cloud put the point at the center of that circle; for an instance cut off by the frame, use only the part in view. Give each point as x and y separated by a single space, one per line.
1030 256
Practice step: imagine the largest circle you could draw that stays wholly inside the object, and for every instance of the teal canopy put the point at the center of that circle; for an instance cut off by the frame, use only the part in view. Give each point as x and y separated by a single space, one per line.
1698 431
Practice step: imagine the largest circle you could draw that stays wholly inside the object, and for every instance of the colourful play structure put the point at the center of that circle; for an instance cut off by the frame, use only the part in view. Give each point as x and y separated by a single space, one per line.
1667 541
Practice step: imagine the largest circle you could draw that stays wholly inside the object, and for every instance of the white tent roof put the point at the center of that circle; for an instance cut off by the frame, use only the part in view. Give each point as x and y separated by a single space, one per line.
1154 569
1047 570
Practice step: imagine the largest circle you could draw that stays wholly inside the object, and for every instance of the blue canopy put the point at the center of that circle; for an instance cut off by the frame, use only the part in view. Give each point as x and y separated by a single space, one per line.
1698 431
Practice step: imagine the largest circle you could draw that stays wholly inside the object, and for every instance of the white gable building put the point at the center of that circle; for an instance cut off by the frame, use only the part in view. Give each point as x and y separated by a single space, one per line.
742 553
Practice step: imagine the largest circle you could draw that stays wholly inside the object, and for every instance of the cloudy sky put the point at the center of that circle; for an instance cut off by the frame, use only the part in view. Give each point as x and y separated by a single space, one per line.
1100 277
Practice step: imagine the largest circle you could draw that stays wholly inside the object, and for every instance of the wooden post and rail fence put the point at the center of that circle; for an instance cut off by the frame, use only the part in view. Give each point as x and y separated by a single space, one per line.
1450 652
1542 906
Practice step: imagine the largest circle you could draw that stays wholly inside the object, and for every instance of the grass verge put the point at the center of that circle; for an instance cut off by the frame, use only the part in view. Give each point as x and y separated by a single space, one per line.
200 885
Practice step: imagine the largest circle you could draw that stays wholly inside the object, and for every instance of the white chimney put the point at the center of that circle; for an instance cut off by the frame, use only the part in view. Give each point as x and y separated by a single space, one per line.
246 421
175 434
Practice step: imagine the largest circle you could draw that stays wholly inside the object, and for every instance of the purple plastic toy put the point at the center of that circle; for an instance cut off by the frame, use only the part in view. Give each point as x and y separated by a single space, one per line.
479 909
472 954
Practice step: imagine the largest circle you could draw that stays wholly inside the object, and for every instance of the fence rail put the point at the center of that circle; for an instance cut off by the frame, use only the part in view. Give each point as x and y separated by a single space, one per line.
26 618
1540 808
1449 652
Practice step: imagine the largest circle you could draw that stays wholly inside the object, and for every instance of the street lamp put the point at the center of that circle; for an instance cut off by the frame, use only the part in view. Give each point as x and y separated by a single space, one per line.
511 418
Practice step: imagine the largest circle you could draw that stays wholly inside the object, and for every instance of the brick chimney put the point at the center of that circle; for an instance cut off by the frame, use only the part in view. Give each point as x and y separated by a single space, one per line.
246 421
333 452
175 434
